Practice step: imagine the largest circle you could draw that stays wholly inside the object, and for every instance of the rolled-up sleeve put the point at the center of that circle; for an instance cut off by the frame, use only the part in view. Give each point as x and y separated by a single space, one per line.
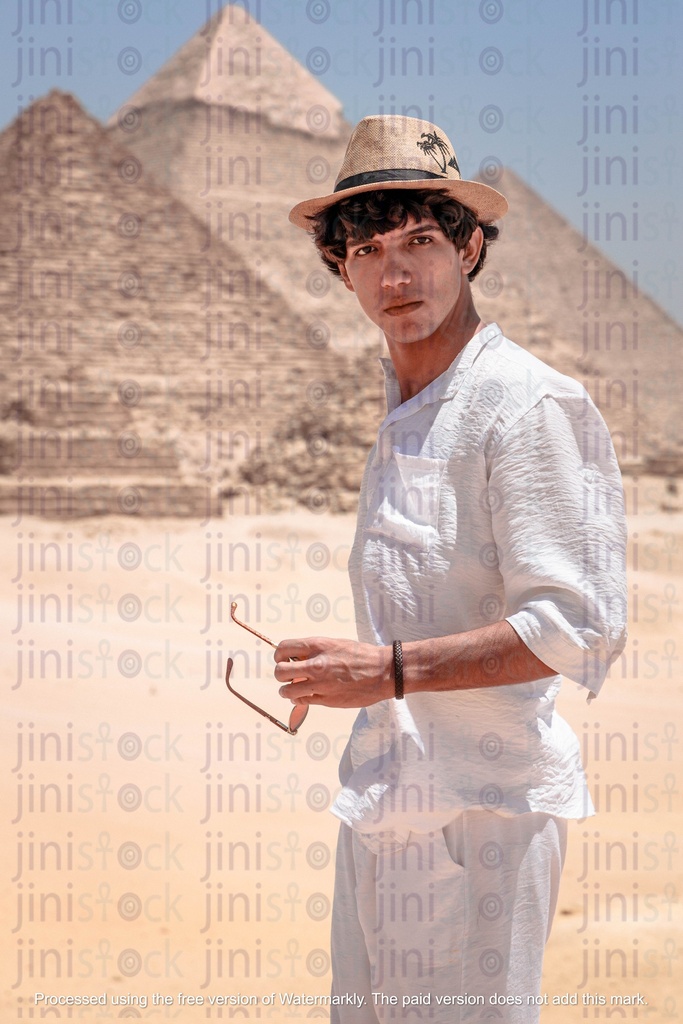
559 525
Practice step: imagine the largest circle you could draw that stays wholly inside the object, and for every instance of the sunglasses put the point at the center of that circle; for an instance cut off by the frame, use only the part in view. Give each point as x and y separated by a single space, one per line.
299 711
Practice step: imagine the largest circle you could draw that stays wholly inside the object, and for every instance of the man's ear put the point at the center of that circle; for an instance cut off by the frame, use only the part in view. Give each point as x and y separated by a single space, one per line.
345 277
472 250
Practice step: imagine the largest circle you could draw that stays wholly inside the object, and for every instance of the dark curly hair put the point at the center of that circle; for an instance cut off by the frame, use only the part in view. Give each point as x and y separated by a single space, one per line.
374 213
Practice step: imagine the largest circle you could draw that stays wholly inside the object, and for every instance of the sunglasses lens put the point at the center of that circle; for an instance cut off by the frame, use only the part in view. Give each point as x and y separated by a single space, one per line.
297 717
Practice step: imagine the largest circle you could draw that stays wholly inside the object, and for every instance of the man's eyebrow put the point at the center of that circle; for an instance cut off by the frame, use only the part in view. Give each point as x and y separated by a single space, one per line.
419 229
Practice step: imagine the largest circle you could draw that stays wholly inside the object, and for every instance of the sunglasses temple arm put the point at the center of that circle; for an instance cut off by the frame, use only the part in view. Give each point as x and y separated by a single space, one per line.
254 707
248 628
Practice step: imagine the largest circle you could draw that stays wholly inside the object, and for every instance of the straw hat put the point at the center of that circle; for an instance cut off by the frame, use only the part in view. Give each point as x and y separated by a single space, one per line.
388 151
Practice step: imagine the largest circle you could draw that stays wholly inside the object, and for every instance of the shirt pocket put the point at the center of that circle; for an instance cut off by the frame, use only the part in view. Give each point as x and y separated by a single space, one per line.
405 505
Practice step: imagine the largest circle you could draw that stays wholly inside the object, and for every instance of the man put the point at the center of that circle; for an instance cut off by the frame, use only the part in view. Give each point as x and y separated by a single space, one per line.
489 557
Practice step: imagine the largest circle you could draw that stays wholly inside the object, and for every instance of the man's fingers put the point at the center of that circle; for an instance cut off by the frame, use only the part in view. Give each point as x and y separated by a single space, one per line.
282 652
290 650
292 671
298 691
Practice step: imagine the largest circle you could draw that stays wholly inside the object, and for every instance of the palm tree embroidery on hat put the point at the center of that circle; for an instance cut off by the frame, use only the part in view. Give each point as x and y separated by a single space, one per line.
434 145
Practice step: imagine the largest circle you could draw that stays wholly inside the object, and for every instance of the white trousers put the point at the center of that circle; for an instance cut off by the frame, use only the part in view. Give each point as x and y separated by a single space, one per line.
452 928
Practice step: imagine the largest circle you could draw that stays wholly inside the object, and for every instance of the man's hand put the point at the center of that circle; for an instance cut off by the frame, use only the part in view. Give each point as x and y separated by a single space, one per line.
336 673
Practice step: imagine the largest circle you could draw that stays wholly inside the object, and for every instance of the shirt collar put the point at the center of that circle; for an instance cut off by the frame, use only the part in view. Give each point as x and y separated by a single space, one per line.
444 386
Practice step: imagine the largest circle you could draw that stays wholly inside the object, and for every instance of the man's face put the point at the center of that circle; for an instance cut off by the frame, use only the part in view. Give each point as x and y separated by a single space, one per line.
408 281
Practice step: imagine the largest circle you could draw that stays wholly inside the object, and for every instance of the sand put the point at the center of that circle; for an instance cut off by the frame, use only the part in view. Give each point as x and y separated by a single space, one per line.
162 839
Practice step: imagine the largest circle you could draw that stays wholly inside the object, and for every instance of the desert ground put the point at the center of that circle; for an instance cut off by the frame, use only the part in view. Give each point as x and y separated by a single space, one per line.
163 839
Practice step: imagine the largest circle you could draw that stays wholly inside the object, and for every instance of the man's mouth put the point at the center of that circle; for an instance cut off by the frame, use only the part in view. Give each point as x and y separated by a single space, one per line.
403 308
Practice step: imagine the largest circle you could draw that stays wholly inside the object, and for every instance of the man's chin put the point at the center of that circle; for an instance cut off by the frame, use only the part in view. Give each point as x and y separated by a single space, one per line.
409 337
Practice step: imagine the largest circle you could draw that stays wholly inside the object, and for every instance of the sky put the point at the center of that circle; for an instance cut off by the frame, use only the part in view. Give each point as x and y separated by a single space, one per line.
582 98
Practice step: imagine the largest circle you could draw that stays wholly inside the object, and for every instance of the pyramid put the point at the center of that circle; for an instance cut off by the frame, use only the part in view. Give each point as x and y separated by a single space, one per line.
234 62
240 132
134 362
564 300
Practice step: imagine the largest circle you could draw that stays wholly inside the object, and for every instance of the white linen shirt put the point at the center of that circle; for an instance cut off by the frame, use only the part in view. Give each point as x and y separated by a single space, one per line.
492 494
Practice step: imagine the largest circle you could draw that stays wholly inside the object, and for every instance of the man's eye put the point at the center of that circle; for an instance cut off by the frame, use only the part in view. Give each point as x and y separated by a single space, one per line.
422 239
364 250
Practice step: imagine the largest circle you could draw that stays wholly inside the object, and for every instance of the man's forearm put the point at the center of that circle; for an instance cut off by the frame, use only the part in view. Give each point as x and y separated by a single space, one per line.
489 656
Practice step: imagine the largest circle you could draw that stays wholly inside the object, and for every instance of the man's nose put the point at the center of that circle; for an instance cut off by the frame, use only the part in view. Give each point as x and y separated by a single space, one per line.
395 272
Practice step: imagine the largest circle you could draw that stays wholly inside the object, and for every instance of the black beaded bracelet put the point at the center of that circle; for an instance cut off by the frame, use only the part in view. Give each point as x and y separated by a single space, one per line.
398 669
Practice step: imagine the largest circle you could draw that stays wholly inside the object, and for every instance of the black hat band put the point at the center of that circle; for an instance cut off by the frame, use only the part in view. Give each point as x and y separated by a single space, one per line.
388 174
